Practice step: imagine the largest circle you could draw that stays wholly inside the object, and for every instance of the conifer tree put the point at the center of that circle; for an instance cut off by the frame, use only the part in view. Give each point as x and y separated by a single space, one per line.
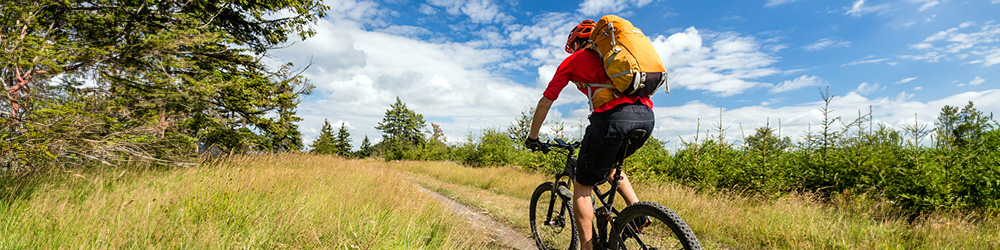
324 143
366 148
958 128
402 126
167 73
342 144
518 130
402 131
765 141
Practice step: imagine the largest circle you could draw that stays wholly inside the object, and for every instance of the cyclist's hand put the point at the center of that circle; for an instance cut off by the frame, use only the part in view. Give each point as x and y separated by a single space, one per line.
533 144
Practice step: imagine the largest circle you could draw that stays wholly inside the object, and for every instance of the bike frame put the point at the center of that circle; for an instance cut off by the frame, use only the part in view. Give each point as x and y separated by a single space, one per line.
567 172
604 214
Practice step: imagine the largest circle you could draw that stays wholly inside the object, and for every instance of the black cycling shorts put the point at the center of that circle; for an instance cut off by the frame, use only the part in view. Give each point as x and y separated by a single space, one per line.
602 143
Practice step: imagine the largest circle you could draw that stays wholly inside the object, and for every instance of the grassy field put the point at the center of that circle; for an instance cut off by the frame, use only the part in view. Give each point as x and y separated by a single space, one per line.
729 221
304 201
286 201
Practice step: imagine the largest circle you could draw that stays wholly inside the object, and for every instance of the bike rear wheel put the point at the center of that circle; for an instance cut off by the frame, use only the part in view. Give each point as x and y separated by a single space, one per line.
666 231
552 221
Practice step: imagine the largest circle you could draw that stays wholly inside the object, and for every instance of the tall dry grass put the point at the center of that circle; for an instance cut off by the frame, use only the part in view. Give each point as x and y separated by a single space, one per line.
734 221
265 201
306 201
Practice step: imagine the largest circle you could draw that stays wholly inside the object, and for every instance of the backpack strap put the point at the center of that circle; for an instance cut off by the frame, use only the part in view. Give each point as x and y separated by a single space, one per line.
590 91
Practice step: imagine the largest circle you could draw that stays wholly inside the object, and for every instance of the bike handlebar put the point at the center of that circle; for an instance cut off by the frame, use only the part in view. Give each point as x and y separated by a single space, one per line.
559 144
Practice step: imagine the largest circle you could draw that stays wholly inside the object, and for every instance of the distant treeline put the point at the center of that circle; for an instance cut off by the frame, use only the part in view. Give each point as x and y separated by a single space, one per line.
954 166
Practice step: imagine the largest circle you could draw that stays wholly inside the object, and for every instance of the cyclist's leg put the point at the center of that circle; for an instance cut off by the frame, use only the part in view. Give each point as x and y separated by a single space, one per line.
583 210
636 116
592 169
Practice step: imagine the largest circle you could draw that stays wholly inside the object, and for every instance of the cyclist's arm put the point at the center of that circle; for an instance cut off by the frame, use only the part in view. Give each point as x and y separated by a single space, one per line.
540 112
559 81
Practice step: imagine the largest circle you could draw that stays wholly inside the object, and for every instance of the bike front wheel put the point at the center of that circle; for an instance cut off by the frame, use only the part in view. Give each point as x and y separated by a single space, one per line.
665 230
551 215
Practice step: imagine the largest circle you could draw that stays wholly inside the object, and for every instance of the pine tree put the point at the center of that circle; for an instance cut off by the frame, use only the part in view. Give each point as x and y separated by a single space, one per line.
342 144
366 148
324 143
402 127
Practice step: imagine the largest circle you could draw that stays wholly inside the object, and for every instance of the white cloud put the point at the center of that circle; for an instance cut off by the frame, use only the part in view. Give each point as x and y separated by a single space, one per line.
928 5
906 80
990 57
977 81
826 43
601 7
865 88
406 30
866 61
859 8
549 28
362 11
427 10
773 3
921 46
449 83
726 66
798 83
980 46
478 11
925 4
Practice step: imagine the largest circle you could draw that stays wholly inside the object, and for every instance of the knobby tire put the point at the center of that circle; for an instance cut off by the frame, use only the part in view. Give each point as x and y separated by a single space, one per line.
667 230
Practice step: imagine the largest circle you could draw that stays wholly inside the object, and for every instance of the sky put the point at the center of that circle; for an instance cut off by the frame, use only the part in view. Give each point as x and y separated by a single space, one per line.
737 65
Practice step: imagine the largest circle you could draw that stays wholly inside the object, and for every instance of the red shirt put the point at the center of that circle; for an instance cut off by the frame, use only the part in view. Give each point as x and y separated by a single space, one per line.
586 66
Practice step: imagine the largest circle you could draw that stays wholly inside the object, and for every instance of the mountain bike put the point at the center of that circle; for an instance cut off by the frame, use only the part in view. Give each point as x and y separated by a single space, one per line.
553 225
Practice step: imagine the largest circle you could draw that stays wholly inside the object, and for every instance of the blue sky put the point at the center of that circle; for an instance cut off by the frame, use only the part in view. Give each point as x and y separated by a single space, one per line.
470 65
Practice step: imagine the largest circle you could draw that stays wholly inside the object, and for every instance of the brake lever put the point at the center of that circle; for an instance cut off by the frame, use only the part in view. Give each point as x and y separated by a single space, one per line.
545 149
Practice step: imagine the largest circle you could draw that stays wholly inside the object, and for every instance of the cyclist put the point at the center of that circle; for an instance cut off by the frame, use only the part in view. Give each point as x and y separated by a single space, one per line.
609 123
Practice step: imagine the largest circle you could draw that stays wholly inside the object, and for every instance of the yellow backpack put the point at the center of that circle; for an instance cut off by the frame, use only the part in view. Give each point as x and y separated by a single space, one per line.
629 59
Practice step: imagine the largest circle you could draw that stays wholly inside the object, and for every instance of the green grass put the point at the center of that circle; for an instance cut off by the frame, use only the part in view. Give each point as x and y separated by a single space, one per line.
305 201
271 201
733 221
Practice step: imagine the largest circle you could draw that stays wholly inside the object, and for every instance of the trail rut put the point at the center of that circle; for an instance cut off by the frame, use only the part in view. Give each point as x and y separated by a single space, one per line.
502 233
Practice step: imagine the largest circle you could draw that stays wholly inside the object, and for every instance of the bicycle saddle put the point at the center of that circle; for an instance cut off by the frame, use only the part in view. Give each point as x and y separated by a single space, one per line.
635 135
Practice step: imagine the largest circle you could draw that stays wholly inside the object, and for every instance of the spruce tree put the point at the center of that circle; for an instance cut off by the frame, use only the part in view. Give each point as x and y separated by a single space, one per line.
324 143
366 148
342 144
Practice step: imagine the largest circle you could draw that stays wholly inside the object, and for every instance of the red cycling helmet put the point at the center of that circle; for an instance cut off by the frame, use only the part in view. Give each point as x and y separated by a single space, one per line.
581 31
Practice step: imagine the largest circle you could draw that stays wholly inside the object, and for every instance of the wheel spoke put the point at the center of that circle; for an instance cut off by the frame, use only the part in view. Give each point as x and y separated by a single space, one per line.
550 227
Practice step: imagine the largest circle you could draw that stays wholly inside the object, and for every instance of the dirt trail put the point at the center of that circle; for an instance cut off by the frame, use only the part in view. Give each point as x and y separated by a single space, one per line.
502 233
